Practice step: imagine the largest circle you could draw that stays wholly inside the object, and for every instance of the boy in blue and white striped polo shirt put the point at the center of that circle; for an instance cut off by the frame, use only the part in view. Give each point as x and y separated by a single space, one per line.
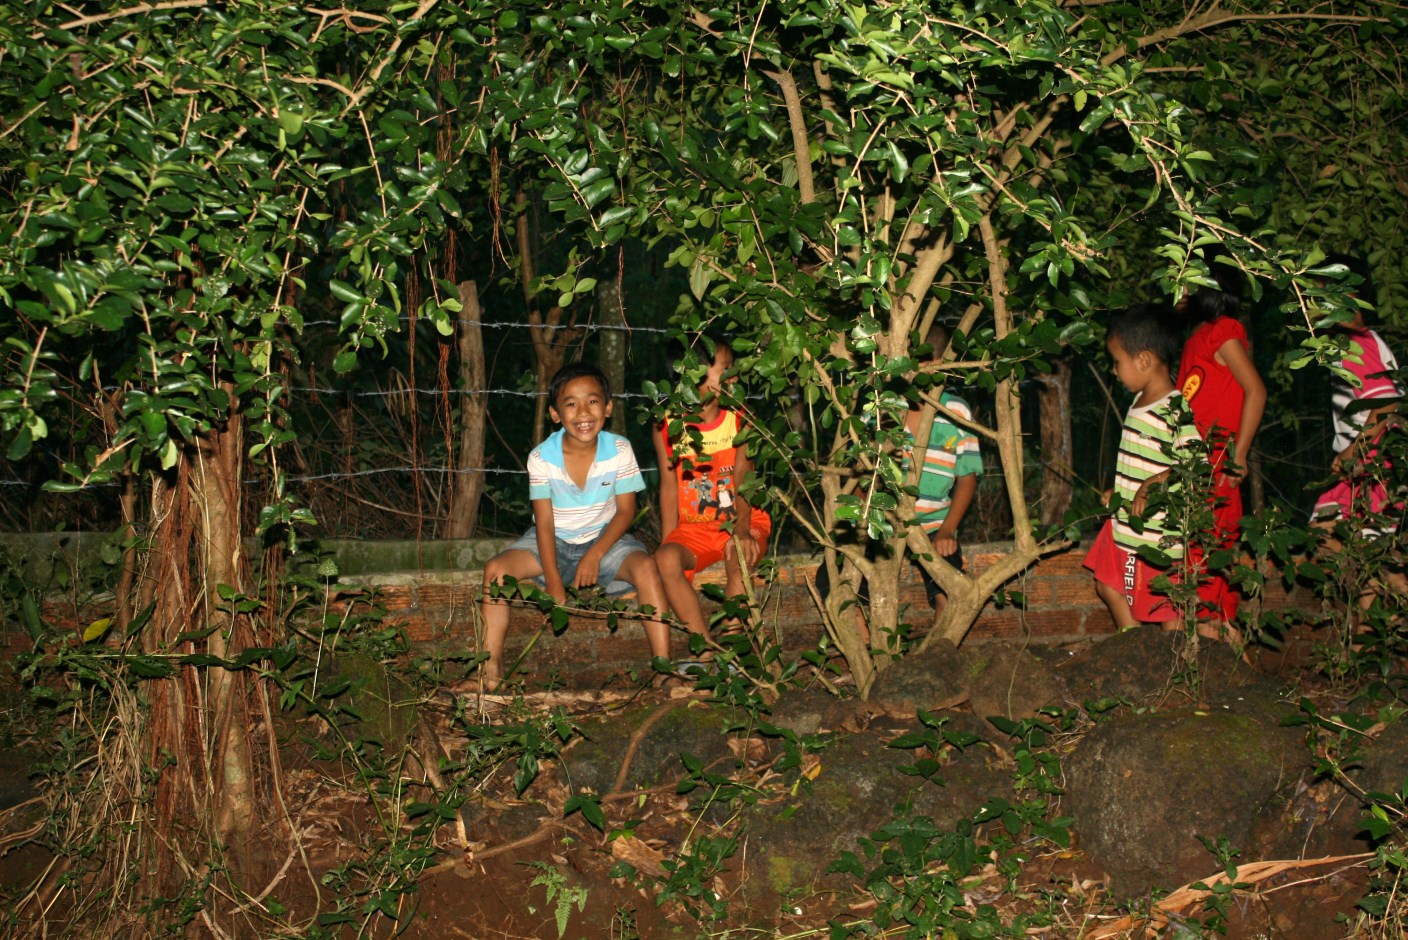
583 482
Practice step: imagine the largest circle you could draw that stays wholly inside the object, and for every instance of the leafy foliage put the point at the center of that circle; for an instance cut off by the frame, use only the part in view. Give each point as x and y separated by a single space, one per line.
190 187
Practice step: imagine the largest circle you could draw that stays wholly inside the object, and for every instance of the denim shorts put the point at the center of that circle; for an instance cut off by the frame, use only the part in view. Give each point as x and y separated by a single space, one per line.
569 554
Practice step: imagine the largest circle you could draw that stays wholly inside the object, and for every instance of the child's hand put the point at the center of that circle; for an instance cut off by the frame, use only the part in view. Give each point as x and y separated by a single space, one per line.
588 568
752 549
556 590
1106 497
1140 500
1345 462
945 543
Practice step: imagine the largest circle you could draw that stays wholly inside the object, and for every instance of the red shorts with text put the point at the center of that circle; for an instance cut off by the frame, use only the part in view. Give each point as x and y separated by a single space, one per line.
1132 576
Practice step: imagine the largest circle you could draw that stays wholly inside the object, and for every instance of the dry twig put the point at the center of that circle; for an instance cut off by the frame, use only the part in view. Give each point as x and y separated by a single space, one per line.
1188 895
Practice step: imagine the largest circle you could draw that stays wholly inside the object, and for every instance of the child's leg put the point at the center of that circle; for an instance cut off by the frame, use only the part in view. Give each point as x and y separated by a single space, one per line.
1112 566
673 560
515 563
734 574
1119 607
640 569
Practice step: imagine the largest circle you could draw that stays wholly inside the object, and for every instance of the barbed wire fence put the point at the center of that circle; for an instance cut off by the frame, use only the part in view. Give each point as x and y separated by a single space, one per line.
259 477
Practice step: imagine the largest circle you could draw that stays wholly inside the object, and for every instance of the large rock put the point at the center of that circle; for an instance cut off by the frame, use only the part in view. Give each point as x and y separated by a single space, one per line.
676 728
371 703
997 679
1381 767
1147 664
937 676
1008 681
1384 767
1143 787
812 711
860 786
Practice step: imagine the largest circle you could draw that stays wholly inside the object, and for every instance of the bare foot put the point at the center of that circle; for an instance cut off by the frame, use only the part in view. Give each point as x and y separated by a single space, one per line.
667 681
490 677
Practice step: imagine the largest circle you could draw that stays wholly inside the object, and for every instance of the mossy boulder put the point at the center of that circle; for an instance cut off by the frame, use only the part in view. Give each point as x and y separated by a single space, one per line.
924 680
859 786
1150 664
1142 789
676 728
369 701
1009 681
998 679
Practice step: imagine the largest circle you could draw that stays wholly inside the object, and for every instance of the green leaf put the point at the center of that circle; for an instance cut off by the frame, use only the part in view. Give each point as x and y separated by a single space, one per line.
344 293
33 622
559 617
700 276
590 808
150 667
899 165
19 445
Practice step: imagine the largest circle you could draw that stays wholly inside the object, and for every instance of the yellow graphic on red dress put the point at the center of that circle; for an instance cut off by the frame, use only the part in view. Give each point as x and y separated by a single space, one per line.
1193 383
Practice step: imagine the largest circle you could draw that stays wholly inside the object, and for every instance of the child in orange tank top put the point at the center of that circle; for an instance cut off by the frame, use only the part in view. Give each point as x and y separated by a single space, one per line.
703 519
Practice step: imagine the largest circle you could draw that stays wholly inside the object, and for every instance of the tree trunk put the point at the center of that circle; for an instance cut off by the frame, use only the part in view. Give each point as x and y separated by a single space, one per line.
549 335
468 479
968 593
200 720
1057 451
1258 482
613 342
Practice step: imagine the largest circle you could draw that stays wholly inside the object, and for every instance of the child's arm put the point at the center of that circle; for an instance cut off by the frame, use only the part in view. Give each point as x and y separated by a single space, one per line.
619 525
547 548
1234 356
742 525
1182 434
669 486
946 539
1140 501
1374 423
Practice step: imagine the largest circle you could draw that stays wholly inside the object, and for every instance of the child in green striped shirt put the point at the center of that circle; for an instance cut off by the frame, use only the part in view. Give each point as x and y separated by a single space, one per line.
1144 343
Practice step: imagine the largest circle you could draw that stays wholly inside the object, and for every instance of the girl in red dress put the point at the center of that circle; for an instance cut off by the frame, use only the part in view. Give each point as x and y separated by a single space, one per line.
1227 396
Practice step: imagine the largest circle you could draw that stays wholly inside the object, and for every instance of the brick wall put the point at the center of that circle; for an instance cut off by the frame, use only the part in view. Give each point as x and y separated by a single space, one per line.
438 609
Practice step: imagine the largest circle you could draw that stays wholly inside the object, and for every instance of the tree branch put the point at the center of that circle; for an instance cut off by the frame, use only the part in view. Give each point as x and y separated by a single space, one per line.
1216 17
140 9
801 145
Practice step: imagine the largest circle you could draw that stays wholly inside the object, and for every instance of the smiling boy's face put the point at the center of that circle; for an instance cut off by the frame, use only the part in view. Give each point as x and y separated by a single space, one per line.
582 409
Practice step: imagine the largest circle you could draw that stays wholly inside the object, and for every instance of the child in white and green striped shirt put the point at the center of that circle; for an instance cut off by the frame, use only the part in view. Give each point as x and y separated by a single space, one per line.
1144 343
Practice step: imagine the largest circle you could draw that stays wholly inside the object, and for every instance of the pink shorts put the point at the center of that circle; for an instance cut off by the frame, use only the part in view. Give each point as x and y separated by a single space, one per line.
1131 575
1364 495
707 542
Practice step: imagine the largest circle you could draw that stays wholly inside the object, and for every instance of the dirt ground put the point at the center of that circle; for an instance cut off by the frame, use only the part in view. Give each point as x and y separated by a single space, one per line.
509 874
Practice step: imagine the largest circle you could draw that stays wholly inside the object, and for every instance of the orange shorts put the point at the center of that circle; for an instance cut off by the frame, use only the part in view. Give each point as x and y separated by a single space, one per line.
707 542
